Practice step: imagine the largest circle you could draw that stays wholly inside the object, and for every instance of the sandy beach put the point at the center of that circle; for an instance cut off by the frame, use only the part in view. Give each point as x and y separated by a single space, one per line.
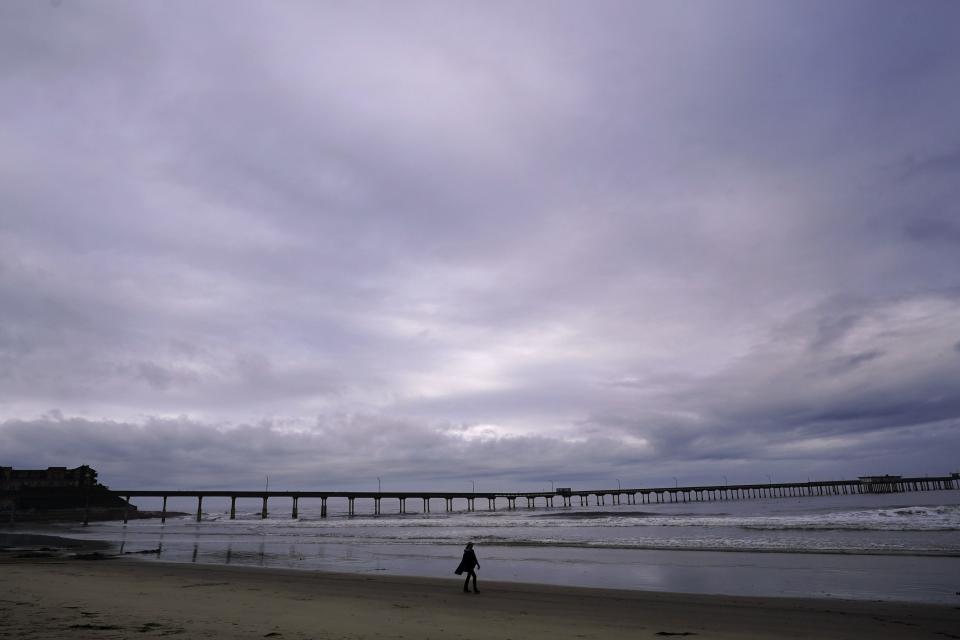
63 597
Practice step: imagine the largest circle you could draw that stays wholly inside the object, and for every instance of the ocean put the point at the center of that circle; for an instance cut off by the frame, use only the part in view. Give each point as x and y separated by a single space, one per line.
903 547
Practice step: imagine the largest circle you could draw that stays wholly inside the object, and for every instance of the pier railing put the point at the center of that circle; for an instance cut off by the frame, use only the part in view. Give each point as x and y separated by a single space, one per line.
650 495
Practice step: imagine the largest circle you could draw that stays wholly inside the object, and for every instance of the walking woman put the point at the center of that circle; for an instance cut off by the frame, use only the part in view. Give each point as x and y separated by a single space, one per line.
466 565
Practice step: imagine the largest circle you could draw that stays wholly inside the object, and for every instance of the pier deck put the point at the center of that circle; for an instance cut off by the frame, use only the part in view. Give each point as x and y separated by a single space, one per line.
650 495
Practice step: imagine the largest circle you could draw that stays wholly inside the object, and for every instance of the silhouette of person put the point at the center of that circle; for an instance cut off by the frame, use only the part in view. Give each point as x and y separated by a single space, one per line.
467 564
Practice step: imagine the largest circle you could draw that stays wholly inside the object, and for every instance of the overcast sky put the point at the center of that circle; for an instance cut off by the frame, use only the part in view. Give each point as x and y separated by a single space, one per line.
496 242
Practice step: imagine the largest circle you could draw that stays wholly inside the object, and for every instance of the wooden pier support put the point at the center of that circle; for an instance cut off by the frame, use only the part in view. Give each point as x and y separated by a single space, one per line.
426 505
323 507
163 512
126 510
294 514
233 507
199 507
491 504
350 505
263 511
376 506
403 505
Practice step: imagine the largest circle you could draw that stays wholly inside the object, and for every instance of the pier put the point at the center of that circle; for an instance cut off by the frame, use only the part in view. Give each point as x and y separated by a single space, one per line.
567 497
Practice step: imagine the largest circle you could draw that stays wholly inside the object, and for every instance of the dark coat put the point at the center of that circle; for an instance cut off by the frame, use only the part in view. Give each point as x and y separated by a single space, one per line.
468 563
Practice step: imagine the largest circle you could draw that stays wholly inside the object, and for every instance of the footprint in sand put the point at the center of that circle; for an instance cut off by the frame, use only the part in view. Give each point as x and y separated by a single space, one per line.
96 627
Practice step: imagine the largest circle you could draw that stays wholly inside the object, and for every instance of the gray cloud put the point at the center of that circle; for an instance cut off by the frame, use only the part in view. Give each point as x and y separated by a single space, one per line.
337 451
934 230
639 236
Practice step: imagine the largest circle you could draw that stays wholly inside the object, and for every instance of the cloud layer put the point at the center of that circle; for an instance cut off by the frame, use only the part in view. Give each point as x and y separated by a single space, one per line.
437 242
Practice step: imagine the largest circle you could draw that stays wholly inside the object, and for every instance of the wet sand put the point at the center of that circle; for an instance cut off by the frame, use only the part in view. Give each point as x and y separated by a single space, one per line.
62 597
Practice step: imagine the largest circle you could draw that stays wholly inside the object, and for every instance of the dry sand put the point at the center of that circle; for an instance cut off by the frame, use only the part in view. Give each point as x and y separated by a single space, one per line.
57 597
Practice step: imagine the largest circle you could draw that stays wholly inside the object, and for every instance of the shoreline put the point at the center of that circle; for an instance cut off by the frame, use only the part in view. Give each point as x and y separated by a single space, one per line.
124 595
75 516
55 527
823 577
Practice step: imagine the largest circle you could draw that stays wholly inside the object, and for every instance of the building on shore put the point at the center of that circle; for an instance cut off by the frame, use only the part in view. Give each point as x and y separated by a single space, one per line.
53 491
15 479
